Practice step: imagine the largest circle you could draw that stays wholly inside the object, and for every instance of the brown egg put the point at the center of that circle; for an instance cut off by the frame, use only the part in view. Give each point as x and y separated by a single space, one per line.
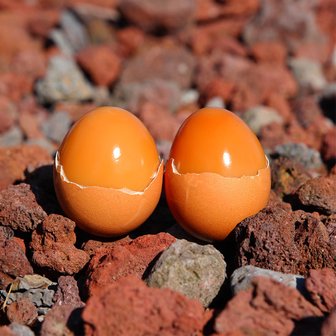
107 172
217 174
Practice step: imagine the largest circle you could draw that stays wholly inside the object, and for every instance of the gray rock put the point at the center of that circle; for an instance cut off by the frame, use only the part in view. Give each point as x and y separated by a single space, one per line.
57 126
217 102
63 82
242 277
12 137
62 43
308 73
44 143
299 152
190 96
194 270
21 330
259 116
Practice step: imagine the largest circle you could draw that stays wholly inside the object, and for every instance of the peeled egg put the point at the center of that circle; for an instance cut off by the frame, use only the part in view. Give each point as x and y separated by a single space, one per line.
107 172
217 174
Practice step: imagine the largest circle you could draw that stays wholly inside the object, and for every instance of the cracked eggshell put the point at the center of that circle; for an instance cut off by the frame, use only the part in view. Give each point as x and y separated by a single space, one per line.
209 205
106 212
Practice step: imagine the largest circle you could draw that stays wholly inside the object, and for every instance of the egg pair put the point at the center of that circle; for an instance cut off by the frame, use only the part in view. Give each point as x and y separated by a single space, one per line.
108 174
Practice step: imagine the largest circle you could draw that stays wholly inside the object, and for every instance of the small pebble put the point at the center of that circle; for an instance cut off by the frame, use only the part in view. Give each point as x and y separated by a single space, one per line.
12 137
57 126
20 329
217 102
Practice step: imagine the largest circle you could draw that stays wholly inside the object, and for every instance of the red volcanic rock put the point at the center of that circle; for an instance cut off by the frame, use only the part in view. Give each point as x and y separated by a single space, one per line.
22 311
269 52
284 241
321 285
124 258
19 209
218 87
101 63
319 194
8 114
6 331
15 160
160 122
129 307
151 14
329 325
131 39
13 261
15 86
328 150
67 292
280 104
53 246
269 308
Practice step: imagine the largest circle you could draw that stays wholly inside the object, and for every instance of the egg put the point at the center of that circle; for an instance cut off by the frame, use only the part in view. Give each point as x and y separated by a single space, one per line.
108 173
217 174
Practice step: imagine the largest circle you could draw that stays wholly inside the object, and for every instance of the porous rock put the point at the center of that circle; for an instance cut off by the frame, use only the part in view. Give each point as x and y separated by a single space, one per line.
329 325
194 270
268 308
67 292
284 241
53 246
19 209
22 311
140 310
242 278
124 258
321 285
319 194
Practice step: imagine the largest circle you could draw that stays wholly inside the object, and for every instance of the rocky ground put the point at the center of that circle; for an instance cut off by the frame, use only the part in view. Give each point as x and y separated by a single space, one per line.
272 62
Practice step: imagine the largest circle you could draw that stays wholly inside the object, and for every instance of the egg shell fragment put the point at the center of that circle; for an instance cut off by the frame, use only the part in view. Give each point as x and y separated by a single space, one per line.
106 212
209 205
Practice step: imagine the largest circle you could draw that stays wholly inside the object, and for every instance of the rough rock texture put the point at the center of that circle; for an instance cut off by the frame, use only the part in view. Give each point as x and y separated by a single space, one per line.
284 241
319 194
19 208
6 331
67 292
194 270
269 308
15 160
63 81
53 246
62 320
140 310
287 176
151 14
242 278
22 311
329 325
20 329
321 285
123 259
13 261
101 63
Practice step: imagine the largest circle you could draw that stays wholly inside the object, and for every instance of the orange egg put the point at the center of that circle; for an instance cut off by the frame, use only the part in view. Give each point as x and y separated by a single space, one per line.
217 174
108 173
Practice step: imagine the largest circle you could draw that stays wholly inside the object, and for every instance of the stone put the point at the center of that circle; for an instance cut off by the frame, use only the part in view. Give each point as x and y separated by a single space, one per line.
168 62
242 278
329 325
56 127
309 158
284 241
63 82
131 39
19 208
321 285
16 160
30 125
124 258
22 311
20 329
101 63
328 149
268 308
217 102
260 116
67 292
319 194
15 86
8 114
12 137
272 52
194 270
6 331
53 246
287 176
152 15
62 320
140 310
308 74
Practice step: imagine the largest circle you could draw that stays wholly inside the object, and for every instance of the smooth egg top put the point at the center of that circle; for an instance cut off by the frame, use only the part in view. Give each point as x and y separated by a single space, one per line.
216 140
109 147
